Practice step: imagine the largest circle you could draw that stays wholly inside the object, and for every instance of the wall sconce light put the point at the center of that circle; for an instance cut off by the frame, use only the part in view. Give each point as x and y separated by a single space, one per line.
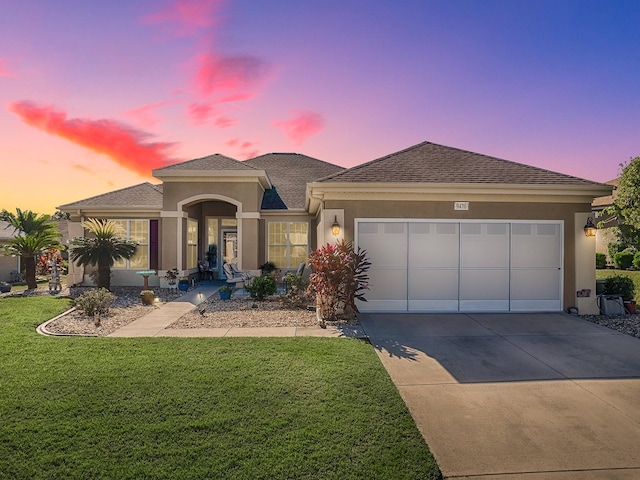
335 227
590 228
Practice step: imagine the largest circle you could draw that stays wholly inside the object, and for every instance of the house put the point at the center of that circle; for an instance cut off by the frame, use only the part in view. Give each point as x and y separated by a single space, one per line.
445 229
8 264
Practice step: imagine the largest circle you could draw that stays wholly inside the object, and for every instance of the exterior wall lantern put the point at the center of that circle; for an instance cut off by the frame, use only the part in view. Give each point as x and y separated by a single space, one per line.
590 228
335 227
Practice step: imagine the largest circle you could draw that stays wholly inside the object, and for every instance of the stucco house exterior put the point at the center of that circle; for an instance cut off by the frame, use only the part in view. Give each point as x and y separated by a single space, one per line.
8 263
445 229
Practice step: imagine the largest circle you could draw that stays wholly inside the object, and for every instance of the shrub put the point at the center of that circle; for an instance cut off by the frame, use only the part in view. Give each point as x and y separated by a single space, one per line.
296 295
615 247
261 287
636 260
95 302
601 260
338 278
620 285
623 260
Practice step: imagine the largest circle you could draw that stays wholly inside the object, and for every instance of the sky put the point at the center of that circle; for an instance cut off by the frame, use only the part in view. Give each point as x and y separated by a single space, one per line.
94 95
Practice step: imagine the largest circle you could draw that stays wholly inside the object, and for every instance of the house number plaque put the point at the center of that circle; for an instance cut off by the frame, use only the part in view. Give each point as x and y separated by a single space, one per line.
461 205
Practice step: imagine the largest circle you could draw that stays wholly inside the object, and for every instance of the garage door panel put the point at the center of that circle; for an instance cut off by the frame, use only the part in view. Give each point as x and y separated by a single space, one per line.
384 241
484 245
536 245
430 284
388 290
484 284
434 245
484 305
535 285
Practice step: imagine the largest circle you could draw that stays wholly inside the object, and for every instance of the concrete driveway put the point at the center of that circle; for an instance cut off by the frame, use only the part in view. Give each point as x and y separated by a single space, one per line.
506 396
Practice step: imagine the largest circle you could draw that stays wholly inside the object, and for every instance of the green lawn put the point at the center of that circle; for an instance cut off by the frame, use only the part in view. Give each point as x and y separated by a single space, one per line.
634 274
172 408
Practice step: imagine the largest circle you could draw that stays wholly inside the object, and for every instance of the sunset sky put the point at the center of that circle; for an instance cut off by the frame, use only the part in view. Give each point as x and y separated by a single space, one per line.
93 95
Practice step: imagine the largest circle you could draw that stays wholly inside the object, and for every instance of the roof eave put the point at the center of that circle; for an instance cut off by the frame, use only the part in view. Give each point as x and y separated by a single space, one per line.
317 192
212 176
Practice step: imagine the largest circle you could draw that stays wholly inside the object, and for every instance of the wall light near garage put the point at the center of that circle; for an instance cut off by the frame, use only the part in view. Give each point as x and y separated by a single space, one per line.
590 228
335 227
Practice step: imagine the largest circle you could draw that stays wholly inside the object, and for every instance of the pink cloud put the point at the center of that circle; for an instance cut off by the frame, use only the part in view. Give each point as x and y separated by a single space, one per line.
245 148
145 116
224 122
199 113
186 16
217 73
238 97
4 69
301 126
126 146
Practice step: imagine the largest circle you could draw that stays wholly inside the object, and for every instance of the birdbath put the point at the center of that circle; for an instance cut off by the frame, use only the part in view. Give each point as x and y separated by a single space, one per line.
145 275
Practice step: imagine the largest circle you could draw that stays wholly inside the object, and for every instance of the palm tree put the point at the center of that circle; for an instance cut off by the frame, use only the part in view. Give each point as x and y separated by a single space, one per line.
34 235
104 250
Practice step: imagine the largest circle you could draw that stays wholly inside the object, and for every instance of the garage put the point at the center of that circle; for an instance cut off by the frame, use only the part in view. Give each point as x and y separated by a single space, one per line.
470 265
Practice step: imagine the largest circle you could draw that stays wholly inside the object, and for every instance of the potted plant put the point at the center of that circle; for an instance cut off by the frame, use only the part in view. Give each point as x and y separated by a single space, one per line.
183 284
225 292
172 277
623 286
5 287
147 297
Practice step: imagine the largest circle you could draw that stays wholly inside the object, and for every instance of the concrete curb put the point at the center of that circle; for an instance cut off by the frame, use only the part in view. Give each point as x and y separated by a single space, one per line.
42 328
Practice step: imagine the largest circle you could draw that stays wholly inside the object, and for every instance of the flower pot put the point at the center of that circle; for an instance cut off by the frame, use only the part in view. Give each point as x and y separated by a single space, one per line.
225 295
183 286
147 298
5 287
630 306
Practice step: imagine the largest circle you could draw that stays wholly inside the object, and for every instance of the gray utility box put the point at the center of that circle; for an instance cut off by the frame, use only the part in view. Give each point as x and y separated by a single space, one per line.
611 305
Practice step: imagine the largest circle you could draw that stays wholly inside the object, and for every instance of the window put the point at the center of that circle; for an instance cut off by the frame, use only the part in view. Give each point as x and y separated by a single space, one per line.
192 243
137 231
288 243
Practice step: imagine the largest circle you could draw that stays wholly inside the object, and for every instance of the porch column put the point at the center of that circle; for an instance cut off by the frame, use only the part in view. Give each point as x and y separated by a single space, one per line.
248 240
171 241
585 265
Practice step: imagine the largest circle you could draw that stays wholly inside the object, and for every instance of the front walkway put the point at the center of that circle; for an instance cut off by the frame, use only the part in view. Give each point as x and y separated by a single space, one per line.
155 323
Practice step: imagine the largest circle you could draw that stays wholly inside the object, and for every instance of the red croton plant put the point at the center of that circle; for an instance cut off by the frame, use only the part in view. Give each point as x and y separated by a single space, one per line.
338 279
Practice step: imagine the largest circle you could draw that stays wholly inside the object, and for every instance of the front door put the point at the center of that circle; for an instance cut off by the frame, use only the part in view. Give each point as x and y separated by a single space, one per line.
230 246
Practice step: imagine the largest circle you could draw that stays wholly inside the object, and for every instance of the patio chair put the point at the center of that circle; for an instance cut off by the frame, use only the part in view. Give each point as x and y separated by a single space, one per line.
235 276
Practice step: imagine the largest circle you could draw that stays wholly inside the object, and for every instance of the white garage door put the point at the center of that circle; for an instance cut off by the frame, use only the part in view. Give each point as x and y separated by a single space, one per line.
440 265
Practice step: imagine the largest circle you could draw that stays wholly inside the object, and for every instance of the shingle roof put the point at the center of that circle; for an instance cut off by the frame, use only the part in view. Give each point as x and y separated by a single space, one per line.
212 162
607 200
144 195
431 163
289 173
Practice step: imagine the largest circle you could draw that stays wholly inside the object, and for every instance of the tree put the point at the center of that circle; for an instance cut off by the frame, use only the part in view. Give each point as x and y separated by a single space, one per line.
34 235
103 249
626 208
